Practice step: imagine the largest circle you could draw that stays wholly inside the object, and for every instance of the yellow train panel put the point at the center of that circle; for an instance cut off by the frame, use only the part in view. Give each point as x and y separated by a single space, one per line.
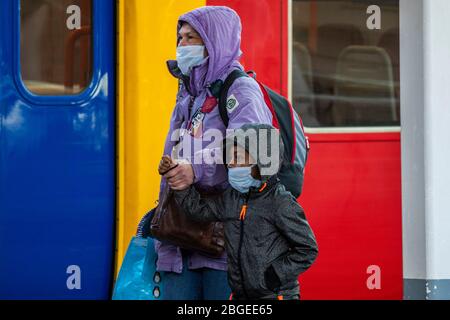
146 97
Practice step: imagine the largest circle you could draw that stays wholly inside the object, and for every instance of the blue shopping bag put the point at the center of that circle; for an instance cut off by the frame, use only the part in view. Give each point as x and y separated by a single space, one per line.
138 278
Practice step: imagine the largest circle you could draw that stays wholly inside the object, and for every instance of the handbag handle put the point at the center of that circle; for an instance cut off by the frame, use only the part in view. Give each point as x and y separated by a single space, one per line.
166 172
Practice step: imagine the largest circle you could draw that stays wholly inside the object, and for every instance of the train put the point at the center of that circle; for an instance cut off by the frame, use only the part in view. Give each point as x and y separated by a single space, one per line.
85 103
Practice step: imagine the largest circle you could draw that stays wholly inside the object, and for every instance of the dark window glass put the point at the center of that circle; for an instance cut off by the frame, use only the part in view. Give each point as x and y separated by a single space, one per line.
56 46
345 62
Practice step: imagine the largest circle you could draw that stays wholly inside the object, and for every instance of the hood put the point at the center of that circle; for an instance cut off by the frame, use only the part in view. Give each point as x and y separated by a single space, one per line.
220 29
263 142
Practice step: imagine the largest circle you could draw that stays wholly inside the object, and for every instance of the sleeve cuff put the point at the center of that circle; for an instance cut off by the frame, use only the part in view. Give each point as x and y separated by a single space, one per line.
182 193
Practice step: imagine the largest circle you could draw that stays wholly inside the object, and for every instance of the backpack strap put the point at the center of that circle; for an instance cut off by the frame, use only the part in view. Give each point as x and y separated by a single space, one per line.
233 76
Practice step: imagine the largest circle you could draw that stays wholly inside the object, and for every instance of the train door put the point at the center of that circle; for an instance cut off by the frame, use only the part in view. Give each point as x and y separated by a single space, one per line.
345 84
57 148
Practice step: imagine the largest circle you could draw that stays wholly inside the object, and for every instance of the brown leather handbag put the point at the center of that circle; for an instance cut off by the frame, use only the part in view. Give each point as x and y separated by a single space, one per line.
170 224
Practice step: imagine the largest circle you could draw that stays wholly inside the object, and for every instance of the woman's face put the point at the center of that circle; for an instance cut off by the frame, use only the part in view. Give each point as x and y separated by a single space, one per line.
187 36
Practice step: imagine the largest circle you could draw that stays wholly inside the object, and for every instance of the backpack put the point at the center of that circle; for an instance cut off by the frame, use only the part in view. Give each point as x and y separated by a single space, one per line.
296 144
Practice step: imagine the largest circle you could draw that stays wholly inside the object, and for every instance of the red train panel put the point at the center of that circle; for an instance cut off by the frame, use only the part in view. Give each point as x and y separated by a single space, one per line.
352 193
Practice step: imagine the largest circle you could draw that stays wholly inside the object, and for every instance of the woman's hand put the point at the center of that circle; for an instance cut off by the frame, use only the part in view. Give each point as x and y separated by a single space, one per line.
181 177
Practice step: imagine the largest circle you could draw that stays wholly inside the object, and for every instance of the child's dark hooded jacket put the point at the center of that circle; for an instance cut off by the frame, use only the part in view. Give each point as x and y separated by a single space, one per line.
272 239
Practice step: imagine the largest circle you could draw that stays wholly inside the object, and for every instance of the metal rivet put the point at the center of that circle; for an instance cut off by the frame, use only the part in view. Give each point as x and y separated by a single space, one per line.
156 292
157 277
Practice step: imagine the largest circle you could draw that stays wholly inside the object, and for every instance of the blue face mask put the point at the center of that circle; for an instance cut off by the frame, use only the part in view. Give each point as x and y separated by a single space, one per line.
189 57
241 179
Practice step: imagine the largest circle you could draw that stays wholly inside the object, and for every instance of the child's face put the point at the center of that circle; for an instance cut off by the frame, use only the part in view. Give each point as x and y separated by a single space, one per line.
241 158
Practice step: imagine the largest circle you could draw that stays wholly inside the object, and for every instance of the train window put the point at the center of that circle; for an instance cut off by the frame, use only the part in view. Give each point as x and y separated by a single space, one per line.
345 62
56 46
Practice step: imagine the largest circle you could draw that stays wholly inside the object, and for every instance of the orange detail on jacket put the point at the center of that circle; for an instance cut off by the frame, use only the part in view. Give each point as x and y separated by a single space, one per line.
243 212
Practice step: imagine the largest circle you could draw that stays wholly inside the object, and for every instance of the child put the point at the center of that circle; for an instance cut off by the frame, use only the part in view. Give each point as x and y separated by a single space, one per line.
268 239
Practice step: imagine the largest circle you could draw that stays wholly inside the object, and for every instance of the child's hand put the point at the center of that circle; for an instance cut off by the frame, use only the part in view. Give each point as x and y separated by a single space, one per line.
165 165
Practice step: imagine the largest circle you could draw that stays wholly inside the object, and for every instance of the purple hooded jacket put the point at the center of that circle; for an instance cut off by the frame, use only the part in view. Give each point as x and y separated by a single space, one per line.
220 30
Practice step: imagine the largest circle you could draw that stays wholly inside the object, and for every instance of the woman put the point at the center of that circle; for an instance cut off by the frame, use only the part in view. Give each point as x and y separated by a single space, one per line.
208 50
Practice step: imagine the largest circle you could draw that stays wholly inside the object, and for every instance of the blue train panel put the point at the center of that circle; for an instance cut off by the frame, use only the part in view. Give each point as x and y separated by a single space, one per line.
57 149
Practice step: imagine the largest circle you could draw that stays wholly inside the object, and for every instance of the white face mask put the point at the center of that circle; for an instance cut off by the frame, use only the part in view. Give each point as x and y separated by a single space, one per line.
240 178
189 57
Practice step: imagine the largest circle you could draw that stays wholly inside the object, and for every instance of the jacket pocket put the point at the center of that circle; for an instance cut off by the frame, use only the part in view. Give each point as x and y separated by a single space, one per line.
260 241
271 280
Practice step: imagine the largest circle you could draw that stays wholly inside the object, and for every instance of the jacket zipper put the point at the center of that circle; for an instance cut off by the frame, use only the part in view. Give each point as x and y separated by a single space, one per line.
241 238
